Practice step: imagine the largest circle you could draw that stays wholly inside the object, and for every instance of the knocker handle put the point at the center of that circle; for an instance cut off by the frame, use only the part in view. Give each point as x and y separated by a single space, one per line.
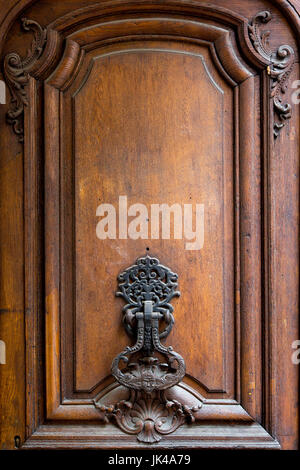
148 374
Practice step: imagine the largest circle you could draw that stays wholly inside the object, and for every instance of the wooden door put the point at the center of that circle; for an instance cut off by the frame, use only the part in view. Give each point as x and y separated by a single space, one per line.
165 132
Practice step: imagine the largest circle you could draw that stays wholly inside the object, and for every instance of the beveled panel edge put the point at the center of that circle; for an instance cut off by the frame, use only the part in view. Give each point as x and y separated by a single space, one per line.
181 29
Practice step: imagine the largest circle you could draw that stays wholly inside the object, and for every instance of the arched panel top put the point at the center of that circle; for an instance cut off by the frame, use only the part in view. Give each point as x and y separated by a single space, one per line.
11 12
235 42
218 11
151 50
220 40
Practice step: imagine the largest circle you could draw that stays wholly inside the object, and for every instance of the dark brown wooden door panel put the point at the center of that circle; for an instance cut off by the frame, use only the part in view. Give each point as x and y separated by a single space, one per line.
134 105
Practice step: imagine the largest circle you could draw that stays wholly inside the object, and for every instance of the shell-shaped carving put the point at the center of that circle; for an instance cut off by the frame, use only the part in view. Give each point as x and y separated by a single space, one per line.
148 434
149 416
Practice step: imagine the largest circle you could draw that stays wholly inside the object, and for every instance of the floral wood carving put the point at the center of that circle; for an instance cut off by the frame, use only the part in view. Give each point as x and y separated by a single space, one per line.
148 287
149 416
16 73
280 68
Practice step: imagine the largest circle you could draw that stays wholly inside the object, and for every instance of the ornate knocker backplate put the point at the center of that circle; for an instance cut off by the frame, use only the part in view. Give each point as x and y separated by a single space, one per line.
148 288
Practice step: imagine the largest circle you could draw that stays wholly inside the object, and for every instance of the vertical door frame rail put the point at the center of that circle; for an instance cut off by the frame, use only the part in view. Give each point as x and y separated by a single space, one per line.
59 52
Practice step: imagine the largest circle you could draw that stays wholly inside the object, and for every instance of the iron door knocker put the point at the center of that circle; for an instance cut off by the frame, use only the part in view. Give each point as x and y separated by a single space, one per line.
148 288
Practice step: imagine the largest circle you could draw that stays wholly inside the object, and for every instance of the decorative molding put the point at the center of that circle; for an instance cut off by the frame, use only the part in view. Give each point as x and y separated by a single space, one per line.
16 73
280 68
150 416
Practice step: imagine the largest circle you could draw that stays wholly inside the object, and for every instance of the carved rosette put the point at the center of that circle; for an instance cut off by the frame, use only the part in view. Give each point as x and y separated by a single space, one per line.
16 73
280 68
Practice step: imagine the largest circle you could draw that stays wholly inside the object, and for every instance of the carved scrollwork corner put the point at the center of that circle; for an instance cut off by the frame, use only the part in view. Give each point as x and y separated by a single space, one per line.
16 73
281 63
148 288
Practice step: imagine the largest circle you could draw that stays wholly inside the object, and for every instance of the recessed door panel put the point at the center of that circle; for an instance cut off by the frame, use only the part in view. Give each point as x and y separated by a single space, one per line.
148 164
153 134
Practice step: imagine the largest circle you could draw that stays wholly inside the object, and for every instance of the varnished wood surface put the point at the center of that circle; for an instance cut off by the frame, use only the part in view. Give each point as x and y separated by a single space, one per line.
253 325
211 436
12 404
132 160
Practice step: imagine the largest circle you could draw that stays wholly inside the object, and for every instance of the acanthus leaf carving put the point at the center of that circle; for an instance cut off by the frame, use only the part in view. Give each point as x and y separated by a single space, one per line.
280 68
16 73
148 415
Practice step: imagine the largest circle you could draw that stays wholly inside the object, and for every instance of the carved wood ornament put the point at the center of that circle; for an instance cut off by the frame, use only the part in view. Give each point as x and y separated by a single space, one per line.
16 72
281 66
148 287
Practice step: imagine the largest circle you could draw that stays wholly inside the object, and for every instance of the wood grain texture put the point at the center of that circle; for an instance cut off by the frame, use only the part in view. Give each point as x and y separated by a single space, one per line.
33 256
211 436
12 377
67 210
250 226
124 110
134 83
